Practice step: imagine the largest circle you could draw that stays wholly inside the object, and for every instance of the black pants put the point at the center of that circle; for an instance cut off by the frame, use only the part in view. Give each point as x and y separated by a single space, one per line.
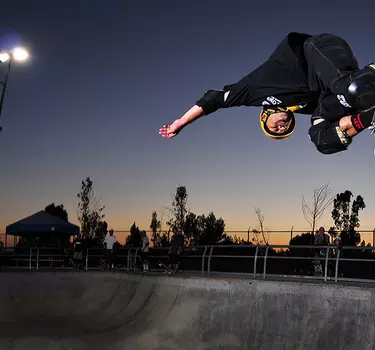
174 258
330 63
144 257
109 257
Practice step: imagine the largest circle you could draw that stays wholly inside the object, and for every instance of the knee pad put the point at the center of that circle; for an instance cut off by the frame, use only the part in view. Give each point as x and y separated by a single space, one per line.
329 138
361 91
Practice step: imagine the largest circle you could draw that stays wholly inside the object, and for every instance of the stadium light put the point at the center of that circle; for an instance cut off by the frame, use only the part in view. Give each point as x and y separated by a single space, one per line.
18 54
4 56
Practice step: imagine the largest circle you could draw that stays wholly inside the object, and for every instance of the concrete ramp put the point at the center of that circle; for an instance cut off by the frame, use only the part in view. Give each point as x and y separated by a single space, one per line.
123 311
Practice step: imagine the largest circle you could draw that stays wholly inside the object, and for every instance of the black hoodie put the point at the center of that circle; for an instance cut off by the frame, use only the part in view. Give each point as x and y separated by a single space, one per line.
284 80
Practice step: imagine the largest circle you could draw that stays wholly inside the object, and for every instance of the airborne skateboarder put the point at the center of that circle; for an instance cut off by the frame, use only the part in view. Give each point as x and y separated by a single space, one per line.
316 75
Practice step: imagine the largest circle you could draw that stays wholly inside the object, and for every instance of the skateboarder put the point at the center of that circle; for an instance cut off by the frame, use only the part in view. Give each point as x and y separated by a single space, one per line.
316 75
175 251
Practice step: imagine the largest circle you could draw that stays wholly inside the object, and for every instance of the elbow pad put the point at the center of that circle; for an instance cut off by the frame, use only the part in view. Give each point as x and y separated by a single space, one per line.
211 101
329 138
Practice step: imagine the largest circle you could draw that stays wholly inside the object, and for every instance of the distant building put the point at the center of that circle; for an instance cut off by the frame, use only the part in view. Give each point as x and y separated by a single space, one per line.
42 229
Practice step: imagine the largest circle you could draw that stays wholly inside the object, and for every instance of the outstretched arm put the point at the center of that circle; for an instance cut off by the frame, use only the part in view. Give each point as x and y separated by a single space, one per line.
169 131
233 95
211 101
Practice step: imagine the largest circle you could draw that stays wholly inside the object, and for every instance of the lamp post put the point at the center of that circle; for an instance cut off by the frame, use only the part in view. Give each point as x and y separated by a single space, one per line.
18 54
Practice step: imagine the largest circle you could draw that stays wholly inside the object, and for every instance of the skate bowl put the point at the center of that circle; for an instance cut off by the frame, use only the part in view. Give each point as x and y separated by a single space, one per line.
127 311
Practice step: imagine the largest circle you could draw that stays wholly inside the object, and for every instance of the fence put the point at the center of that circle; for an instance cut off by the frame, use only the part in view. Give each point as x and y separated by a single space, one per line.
273 237
354 264
281 237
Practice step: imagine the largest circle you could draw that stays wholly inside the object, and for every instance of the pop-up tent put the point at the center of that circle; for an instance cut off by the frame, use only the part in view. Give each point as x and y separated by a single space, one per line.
42 224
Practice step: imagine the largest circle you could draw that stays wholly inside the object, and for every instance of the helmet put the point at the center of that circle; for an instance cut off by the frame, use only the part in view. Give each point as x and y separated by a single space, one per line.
267 111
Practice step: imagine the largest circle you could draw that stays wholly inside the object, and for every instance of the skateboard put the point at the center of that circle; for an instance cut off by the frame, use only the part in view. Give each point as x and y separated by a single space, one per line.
170 271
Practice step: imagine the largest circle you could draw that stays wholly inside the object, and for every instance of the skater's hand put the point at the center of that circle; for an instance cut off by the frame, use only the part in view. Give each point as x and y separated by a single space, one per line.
169 131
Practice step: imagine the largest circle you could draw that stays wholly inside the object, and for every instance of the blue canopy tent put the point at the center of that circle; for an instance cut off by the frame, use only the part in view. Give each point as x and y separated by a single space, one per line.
42 224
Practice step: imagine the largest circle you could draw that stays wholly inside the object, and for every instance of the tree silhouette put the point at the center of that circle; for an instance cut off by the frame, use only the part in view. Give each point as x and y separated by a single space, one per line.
346 219
259 236
322 199
135 238
228 240
236 240
58 211
192 229
301 265
303 239
197 230
100 232
90 211
212 229
205 230
179 210
154 226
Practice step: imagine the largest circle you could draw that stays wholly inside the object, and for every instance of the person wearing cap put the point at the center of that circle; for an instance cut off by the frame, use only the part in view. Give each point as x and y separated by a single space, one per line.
316 75
109 242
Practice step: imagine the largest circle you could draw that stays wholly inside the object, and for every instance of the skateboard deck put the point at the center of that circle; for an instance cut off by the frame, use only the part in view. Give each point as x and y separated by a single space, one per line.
167 267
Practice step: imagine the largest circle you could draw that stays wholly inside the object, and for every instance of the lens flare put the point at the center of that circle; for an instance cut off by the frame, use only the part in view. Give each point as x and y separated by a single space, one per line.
20 54
4 56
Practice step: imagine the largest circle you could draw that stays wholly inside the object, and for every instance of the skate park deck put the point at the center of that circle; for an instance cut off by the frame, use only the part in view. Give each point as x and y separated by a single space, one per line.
96 310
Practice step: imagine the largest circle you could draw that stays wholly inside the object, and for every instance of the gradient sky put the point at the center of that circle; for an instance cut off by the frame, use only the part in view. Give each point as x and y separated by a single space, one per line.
104 76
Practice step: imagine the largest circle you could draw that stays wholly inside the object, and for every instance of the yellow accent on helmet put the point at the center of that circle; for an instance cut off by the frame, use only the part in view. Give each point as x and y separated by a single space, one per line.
267 111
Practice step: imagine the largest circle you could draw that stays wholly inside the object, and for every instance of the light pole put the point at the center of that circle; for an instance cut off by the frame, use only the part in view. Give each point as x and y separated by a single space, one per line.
18 54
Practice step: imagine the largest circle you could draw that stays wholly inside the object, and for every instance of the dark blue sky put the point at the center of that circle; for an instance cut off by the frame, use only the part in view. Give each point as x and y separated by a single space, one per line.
104 76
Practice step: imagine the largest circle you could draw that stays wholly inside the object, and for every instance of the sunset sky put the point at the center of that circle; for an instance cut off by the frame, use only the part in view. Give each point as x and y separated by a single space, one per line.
104 76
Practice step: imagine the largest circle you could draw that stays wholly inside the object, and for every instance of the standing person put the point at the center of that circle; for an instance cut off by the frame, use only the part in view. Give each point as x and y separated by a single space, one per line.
78 251
109 242
317 75
175 251
144 251
322 239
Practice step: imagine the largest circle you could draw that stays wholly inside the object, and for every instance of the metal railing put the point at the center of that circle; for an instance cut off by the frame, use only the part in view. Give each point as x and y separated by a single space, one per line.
254 261
341 259
272 236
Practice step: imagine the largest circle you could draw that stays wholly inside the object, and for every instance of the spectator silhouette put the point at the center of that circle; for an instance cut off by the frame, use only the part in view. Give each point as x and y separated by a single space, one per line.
109 242
322 239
